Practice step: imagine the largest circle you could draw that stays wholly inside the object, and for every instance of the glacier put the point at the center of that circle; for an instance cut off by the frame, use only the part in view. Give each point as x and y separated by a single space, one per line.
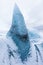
20 46
19 33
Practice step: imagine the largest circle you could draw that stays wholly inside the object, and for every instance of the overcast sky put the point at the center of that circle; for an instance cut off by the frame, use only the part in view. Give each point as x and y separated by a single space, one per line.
31 9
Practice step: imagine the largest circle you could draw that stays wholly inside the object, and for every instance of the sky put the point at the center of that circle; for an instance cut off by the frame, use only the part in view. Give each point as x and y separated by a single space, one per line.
32 11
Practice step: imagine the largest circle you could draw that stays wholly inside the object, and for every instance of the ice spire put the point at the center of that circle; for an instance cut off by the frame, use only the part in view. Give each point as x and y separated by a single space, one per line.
19 33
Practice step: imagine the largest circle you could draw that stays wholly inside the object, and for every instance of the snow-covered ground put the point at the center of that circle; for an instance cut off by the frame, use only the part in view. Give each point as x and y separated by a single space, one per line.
7 45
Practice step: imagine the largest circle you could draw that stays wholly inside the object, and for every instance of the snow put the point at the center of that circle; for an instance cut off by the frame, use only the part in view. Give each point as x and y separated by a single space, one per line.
4 55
